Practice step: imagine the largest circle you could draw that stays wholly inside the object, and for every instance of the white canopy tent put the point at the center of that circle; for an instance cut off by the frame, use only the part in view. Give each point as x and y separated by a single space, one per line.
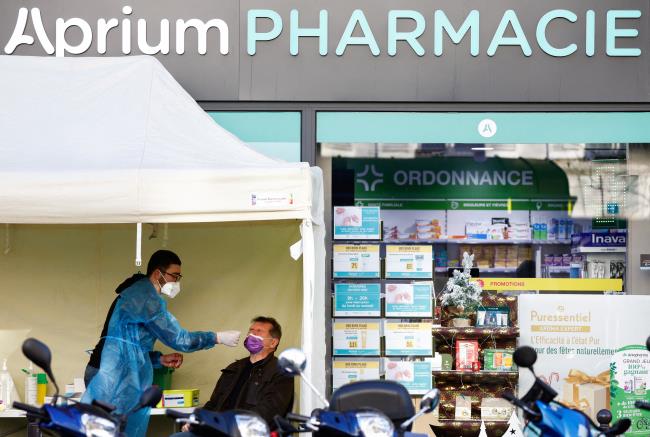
118 140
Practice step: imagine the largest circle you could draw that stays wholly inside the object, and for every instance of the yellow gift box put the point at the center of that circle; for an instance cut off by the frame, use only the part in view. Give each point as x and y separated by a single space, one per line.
589 394
179 399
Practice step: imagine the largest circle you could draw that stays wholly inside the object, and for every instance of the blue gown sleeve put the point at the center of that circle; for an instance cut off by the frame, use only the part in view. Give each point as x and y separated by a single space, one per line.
167 329
154 356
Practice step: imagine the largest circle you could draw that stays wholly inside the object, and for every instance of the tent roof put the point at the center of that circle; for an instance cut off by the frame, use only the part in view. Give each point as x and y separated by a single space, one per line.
118 140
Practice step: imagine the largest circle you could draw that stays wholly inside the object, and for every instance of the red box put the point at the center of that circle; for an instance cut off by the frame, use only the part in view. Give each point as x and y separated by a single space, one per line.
466 354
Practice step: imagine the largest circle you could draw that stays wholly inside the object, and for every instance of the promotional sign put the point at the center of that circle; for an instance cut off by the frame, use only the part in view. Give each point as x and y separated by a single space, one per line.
409 300
576 338
409 262
356 223
357 300
356 261
356 338
601 242
630 380
347 371
550 284
414 375
408 339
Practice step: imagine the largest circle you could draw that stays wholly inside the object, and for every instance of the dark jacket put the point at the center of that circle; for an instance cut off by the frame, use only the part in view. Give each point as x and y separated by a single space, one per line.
267 392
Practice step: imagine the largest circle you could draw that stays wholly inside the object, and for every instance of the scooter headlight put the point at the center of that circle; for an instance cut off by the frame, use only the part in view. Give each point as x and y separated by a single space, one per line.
251 426
375 424
98 426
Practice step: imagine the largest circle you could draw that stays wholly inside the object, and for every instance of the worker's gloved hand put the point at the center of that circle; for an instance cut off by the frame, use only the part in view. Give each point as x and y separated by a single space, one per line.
173 361
229 338
186 428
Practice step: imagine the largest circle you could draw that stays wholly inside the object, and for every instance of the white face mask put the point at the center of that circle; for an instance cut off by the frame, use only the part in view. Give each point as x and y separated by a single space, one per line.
171 289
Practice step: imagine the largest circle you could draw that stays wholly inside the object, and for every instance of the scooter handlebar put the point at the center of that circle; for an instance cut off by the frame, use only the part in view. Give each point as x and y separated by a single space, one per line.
31 410
619 427
177 414
642 405
298 417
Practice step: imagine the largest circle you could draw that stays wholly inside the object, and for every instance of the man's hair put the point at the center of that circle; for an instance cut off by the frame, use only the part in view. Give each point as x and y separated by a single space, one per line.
276 329
161 259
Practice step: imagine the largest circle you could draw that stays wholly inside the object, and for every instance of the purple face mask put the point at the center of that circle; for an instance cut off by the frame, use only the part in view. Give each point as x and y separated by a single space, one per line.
254 344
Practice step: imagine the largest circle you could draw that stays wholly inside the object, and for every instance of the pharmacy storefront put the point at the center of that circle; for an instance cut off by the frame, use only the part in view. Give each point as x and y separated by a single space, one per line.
515 131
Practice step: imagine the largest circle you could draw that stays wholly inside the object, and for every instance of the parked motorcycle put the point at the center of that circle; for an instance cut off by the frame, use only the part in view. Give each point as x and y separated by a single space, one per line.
77 420
549 418
360 409
234 423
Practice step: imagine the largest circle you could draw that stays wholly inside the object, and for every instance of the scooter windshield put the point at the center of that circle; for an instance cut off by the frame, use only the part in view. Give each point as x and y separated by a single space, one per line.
560 421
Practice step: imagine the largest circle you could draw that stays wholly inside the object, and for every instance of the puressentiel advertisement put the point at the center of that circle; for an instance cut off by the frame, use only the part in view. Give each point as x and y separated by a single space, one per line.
591 350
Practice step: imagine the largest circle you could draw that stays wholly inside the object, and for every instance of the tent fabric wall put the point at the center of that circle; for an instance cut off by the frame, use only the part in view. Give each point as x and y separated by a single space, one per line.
118 140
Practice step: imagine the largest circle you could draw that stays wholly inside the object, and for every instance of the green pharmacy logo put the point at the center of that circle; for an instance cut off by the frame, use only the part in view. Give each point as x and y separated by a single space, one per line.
374 177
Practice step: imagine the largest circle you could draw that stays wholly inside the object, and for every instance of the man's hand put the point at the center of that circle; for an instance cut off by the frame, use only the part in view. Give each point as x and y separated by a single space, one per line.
229 338
186 428
173 361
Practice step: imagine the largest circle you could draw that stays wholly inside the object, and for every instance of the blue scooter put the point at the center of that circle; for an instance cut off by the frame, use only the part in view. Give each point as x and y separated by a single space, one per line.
359 409
76 420
549 418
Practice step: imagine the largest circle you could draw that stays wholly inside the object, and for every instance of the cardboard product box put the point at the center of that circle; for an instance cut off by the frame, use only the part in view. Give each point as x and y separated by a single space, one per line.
463 407
447 362
466 354
496 409
179 399
497 360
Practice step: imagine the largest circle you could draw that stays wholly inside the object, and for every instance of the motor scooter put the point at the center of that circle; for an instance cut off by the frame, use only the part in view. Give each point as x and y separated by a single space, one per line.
360 409
549 418
78 419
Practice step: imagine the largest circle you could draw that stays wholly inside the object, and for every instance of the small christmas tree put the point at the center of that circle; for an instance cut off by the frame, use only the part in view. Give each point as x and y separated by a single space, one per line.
514 427
483 432
461 291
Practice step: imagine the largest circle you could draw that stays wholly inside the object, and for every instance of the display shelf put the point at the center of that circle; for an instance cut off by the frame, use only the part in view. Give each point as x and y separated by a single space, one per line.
482 270
455 241
558 269
475 332
458 428
599 250
482 376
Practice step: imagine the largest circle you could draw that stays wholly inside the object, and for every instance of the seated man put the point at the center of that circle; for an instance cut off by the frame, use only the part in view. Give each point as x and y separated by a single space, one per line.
254 383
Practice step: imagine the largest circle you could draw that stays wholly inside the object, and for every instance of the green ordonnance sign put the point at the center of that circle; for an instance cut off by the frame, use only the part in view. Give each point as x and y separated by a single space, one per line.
429 179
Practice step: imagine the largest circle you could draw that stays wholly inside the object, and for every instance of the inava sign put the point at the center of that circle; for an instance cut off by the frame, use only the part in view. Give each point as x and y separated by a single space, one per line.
404 30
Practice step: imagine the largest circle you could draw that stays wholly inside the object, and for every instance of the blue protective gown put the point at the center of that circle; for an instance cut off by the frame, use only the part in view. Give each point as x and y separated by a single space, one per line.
139 319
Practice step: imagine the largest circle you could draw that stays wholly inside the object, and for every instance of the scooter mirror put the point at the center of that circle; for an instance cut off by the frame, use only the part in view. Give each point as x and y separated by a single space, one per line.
430 401
292 362
647 343
38 353
150 397
525 356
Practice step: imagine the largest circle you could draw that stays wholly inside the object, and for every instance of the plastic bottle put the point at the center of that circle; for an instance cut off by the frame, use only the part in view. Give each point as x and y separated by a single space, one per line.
41 388
8 393
30 385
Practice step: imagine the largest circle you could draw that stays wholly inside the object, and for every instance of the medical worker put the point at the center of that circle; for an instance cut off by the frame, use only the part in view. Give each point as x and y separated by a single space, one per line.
140 317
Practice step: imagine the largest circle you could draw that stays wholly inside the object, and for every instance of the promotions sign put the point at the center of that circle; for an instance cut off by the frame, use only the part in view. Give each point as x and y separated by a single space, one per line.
356 338
356 261
357 300
409 262
630 380
550 284
356 223
414 375
576 338
409 300
408 339
347 371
